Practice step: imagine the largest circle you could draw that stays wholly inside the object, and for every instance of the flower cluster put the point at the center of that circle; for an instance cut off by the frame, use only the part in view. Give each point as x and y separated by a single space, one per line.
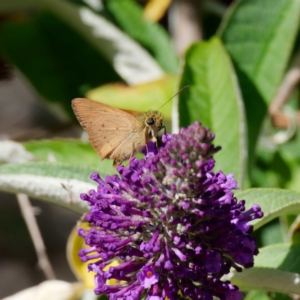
174 226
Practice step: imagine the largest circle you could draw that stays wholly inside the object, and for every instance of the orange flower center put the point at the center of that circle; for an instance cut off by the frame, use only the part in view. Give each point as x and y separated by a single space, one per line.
149 274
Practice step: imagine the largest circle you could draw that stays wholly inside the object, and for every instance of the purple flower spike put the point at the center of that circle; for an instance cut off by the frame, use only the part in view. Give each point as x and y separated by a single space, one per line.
173 225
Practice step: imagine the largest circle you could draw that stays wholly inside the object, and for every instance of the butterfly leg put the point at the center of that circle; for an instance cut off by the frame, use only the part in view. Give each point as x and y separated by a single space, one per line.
146 141
156 143
132 153
117 162
165 131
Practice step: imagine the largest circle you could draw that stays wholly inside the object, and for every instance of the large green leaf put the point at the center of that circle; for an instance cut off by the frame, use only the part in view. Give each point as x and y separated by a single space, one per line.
268 280
213 97
271 233
273 202
259 35
68 49
129 17
284 257
13 152
54 58
18 5
276 269
257 295
291 155
53 182
152 95
73 152
132 62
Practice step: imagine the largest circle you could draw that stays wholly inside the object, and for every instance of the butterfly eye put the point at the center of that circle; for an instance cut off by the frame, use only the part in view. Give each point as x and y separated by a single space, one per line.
150 121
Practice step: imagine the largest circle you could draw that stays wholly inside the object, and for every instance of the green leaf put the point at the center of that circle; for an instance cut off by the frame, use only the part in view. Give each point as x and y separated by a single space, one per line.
103 297
271 233
69 49
268 280
13 152
284 257
257 295
259 37
273 202
213 97
60 66
73 152
17 5
143 97
291 154
132 62
152 36
276 269
49 169
271 170
53 182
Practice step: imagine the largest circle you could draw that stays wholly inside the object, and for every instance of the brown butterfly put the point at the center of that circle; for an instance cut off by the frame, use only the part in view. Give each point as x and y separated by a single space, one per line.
115 133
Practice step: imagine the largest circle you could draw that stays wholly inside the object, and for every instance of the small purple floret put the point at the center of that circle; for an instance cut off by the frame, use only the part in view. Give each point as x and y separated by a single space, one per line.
173 225
147 277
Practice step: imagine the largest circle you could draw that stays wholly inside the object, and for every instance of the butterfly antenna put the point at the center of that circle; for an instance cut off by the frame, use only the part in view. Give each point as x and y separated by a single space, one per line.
183 88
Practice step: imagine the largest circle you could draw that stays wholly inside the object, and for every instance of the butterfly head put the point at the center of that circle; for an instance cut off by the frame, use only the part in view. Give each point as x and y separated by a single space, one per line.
154 119
153 122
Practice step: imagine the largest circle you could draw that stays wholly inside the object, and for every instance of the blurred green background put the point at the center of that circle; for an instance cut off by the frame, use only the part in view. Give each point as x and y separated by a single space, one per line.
136 55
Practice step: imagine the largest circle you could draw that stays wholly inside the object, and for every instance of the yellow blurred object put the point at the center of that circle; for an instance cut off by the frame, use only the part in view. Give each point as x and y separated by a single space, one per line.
156 9
79 268
111 281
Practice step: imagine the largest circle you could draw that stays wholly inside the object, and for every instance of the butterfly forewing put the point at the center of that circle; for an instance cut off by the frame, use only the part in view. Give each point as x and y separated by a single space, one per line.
109 128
